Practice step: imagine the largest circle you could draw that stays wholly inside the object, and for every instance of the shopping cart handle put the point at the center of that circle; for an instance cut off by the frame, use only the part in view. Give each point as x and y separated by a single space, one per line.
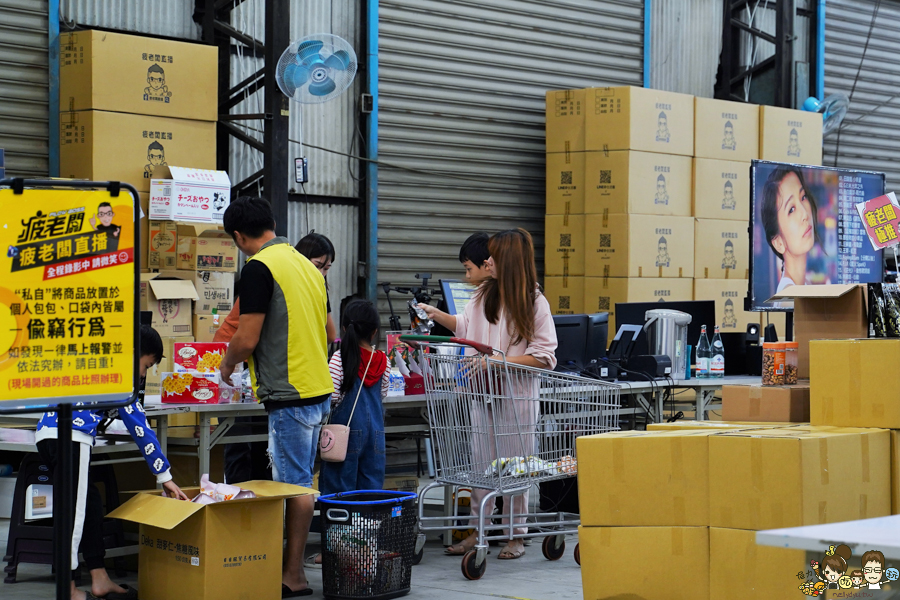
445 339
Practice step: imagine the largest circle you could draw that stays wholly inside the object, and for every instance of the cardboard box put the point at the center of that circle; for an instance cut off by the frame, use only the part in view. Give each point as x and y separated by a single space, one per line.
728 295
223 550
144 256
204 357
721 249
204 247
793 136
644 478
855 383
169 300
194 387
619 245
778 404
564 245
99 70
726 130
180 194
206 326
152 386
565 111
774 478
632 118
647 183
721 190
162 251
825 312
601 294
680 556
565 183
739 568
215 290
112 146
565 295
895 472
710 425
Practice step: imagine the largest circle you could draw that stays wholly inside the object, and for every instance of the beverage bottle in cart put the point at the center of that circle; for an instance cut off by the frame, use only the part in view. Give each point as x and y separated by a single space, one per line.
717 359
703 355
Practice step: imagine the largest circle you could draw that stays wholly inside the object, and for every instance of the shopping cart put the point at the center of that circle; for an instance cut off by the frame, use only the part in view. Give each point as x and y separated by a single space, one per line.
504 428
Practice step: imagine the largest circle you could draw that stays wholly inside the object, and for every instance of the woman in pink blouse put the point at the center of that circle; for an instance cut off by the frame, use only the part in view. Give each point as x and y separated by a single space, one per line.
508 313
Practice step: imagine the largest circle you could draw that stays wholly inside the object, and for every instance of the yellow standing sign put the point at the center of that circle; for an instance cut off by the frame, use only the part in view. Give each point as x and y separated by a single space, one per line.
67 296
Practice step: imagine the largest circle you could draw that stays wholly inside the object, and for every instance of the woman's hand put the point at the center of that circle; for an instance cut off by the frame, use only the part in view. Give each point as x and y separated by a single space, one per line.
173 491
439 316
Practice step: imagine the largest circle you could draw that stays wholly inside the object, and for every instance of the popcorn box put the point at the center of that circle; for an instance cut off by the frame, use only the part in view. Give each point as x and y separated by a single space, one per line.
204 357
197 388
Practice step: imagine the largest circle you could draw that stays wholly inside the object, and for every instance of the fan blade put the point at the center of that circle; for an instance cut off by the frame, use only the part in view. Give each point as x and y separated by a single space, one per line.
309 49
322 88
835 109
338 61
296 75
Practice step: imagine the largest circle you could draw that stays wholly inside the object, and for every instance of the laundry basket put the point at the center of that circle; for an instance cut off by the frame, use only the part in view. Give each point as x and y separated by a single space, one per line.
368 543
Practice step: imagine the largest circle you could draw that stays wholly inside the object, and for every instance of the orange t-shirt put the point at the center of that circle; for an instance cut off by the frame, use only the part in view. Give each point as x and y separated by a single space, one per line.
229 326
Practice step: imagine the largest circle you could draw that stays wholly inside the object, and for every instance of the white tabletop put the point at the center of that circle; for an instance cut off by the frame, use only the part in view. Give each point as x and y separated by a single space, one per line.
881 533
644 385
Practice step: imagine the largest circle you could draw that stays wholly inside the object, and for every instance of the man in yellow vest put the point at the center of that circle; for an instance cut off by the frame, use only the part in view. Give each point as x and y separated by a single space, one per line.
281 331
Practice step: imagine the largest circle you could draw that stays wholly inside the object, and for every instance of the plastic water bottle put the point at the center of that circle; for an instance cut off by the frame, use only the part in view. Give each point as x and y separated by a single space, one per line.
717 362
703 355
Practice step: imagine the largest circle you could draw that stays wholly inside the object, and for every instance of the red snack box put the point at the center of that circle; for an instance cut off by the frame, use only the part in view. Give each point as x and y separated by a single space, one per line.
196 388
203 357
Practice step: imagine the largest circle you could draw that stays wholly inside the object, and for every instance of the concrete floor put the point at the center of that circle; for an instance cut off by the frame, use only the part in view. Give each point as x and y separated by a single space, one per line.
531 577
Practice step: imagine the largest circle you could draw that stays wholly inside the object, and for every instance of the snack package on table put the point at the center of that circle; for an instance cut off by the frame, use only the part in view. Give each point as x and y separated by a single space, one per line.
197 388
203 357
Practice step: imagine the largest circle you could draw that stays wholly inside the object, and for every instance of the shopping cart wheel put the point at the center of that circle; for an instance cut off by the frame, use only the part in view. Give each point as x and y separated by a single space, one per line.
417 557
470 570
578 554
554 547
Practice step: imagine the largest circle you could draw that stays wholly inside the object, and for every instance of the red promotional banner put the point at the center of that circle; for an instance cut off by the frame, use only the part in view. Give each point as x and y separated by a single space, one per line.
881 218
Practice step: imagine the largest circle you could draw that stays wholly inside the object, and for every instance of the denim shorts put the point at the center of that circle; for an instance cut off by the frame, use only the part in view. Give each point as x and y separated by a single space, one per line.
294 440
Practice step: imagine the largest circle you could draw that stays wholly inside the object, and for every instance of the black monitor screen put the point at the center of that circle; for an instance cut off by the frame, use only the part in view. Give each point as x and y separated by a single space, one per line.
571 336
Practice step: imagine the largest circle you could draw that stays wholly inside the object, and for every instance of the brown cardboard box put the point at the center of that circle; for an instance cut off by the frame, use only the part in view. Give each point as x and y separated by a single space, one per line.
565 183
648 183
793 136
162 248
152 387
680 556
619 245
711 425
205 247
99 70
726 130
169 299
778 404
565 295
728 295
854 383
721 190
804 475
644 478
229 549
601 294
895 472
215 290
564 245
565 121
632 118
112 146
145 231
825 312
740 568
206 326
721 249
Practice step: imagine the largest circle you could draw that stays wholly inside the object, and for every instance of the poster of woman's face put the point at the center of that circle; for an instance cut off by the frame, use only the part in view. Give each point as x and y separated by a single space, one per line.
806 230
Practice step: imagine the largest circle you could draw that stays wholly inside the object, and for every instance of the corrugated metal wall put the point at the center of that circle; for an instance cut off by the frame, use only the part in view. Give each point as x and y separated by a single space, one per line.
24 124
461 114
170 18
686 38
870 131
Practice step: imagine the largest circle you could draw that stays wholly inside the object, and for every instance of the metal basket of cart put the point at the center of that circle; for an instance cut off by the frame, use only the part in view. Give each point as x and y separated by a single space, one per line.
368 541
504 427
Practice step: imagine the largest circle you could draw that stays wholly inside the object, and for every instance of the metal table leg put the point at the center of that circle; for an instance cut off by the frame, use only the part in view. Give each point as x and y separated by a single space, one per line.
203 447
162 433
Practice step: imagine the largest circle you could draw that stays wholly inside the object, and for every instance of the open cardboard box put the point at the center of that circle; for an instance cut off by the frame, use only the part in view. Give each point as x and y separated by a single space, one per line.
825 312
225 550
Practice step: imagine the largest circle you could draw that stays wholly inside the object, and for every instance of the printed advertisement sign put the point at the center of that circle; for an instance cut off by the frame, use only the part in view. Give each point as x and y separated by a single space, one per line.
881 218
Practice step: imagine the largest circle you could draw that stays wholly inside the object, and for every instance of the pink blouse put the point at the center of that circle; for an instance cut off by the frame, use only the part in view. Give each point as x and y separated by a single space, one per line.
473 325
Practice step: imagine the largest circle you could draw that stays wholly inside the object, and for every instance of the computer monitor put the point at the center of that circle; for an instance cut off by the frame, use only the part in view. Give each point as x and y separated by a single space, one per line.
571 337
597 333
703 312
456 294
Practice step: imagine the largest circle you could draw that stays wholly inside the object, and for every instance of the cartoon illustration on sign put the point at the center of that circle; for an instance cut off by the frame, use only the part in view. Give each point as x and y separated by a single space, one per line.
157 88
219 201
662 128
730 260
729 320
156 154
833 566
728 201
662 196
728 142
106 214
873 569
662 253
794 145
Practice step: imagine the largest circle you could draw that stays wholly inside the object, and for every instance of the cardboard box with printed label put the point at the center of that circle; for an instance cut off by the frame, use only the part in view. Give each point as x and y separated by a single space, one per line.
726 130
215 290
162 251
152 387
895 472
852 384
721 190
565 295
228 549
741 568
721 249
112 146
805 475
203 247
792 136
779 404
601 294
99 70
180 194
564 245
632 118
565 111
169 299
565 183
206 326
145 231
619 245
680 556
728 295
649 183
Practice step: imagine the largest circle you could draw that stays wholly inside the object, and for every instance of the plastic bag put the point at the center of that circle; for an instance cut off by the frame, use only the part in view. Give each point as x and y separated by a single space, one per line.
876 311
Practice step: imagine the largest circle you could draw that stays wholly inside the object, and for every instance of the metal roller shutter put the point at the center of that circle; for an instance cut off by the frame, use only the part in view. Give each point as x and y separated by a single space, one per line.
24 91
870 131
461 97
